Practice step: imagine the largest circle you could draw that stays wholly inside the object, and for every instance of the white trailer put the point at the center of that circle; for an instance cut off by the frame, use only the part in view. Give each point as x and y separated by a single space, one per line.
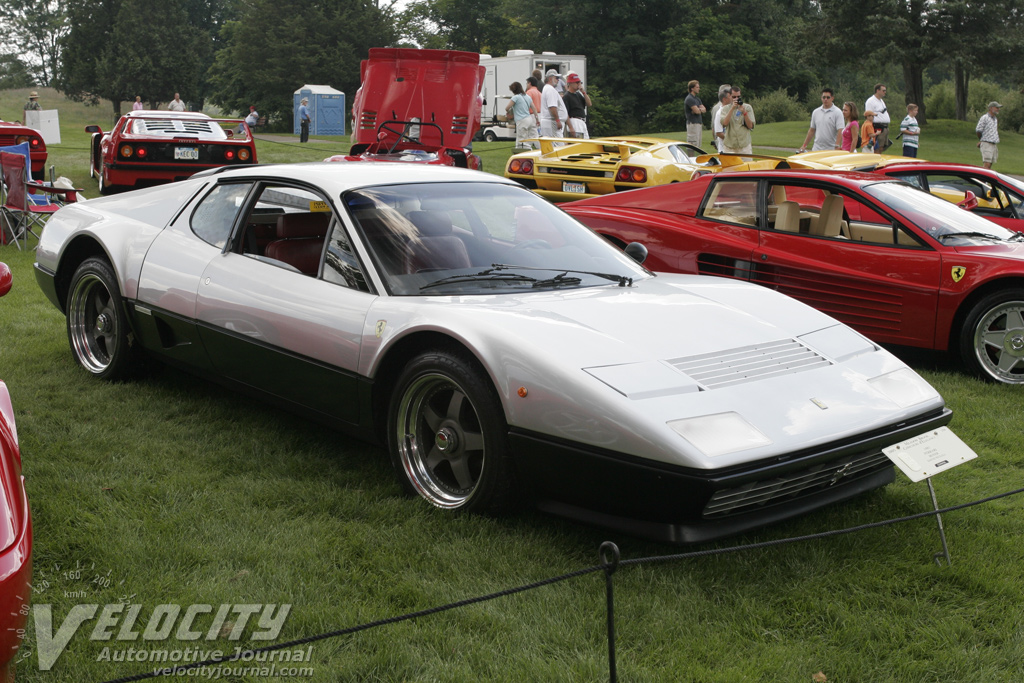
517 65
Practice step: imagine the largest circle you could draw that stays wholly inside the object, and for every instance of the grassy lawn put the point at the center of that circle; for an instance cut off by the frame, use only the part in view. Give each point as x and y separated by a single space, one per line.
170 490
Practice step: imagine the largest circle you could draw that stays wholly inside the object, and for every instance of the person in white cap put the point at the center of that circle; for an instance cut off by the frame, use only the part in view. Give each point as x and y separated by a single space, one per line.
553 114
304 120
33 102
988 134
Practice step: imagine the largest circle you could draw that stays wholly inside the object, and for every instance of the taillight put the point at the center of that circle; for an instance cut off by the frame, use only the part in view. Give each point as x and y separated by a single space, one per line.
141 152
243 154
35 142
229 154
631 174
524 166
126 151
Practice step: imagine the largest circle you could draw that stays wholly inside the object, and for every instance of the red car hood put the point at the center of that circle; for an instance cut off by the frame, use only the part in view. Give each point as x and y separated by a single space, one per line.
436 86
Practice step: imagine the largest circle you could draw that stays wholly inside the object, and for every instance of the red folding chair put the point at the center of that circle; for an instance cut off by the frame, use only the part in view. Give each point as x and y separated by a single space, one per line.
27 205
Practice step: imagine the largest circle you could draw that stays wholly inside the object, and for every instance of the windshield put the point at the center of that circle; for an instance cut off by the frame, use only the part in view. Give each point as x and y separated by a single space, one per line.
935 216
480 238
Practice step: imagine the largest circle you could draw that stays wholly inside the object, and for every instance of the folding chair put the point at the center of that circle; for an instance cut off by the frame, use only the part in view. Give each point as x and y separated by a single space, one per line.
26 204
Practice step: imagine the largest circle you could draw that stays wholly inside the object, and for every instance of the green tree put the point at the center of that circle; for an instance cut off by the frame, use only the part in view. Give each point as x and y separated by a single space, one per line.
118 49
275 46
13 72
36 27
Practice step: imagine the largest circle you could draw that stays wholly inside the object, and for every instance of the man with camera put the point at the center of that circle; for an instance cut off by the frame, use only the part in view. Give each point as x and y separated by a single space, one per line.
737 121
876 103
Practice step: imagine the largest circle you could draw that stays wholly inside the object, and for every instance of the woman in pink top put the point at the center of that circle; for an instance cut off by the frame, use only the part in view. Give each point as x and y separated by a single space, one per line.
851 134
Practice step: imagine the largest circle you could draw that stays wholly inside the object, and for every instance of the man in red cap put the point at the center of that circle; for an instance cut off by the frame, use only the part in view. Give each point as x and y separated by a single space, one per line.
576 102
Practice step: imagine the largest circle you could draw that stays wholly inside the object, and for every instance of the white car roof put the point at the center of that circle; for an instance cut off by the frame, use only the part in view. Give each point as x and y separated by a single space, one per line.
341 176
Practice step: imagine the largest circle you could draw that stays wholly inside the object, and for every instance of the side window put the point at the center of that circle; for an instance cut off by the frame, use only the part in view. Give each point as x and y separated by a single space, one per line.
213 218
341 265
732 201
912 178
287 227
817 212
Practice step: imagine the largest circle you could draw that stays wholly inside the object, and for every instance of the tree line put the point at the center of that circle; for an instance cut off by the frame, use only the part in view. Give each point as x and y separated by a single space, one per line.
641 53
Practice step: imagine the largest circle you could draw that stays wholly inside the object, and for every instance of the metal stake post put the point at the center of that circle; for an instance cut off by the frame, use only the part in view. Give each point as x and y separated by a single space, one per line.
944 553
609 553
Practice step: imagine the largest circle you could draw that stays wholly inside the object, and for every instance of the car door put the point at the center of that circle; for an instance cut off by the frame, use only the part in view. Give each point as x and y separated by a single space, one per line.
282 309
848 258
723 236
165 309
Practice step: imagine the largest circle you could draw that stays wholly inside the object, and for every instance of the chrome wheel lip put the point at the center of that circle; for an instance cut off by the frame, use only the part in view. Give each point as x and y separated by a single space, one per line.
93 336
1000 352
417 442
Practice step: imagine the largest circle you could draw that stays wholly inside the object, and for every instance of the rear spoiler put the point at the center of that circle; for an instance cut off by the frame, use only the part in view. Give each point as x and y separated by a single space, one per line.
547 146
766 161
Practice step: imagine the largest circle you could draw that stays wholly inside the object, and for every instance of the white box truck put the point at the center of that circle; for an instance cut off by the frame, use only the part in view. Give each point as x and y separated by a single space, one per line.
517 65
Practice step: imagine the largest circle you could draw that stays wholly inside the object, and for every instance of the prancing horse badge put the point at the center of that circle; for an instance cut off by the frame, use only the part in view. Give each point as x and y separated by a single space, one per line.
381 324
958 273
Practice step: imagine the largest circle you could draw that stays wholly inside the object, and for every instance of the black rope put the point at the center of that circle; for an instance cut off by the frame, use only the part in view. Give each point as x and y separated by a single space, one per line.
609 554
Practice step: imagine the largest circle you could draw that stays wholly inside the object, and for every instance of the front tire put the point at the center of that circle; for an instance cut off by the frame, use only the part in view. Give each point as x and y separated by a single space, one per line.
490 137
98 330
992 338
447 434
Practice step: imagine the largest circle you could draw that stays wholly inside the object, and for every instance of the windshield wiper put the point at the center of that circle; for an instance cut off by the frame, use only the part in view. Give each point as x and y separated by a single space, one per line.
557 280
483 275
983 235
621 279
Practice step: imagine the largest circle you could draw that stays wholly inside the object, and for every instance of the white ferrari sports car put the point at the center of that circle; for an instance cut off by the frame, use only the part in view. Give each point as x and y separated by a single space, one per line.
501 351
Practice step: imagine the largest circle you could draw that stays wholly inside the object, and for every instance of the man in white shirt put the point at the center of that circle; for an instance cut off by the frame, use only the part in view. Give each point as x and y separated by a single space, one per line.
826 125
176 104
876 104
553 113
724 98
988 134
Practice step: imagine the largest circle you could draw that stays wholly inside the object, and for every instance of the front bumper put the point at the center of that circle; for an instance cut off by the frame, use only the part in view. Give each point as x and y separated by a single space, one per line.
683 505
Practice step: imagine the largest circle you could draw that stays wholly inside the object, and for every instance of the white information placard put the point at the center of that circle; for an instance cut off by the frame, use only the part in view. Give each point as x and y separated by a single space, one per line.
928 454
47 122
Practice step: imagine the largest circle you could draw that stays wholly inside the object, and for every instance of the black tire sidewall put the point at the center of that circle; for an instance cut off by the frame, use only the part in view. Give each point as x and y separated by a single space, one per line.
124 360
494 492
981 309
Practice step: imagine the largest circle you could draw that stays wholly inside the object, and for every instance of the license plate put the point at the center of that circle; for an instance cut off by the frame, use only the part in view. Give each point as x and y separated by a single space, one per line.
186 154
576 188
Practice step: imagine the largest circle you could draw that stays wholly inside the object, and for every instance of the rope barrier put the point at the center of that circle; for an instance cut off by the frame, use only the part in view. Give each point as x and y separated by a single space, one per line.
610 563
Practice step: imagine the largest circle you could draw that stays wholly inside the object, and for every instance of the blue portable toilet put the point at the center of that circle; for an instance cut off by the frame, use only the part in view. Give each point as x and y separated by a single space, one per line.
326 109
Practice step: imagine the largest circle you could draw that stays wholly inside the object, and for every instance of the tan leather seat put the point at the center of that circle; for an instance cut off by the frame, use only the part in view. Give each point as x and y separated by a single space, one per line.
830 218
787 217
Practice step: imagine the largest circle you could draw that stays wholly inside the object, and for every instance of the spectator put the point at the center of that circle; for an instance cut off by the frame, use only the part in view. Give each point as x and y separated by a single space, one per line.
826 125
576 102
553 113
851 133
176 104
137 104
33 102
910 131
533 90
876 104
717 132
867 132
737 121
694 113
525 115
304 120
253 119
988 134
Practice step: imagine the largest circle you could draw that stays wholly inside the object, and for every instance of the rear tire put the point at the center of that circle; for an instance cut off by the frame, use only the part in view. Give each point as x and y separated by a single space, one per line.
447 435
490 137
992 338
98 332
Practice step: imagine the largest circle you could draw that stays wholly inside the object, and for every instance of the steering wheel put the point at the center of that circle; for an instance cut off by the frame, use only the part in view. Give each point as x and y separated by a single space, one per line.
400 135
532 244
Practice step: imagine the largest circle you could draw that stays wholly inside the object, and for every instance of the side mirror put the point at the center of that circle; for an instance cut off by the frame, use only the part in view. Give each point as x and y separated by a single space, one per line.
93 129
636 251
970 201
6 279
